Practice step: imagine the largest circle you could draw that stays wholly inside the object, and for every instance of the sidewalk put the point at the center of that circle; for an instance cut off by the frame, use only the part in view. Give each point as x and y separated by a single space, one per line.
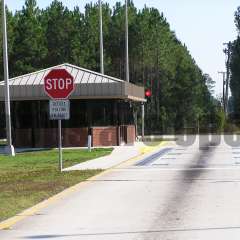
119 154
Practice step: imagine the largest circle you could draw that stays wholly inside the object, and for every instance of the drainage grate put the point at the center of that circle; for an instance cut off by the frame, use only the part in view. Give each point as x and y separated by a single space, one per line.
160 164
149 160
174 154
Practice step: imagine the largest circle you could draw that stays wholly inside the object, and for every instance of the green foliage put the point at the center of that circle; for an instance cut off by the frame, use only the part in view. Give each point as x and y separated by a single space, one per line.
237 19
235 78
220 120
29 48
158 60
235 71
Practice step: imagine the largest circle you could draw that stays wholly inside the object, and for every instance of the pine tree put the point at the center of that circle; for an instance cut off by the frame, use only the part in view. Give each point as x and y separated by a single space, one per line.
29 48
181 93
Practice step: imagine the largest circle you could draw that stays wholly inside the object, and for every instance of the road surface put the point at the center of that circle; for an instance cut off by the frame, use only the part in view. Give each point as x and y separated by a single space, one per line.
181 193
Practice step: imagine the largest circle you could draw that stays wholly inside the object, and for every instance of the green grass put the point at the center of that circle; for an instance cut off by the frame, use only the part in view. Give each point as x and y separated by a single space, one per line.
32 177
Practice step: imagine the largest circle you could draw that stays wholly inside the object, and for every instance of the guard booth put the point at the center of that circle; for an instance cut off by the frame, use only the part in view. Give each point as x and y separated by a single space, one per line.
100 105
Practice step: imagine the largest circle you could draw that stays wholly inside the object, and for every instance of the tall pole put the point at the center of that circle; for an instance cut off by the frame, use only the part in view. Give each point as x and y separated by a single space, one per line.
9 148
126 40
227 51
224 76
228 75
101 37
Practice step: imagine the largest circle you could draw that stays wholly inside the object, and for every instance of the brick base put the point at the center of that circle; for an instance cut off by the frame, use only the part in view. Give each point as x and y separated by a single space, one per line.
104 136
131 134
72 137
23 138
48 137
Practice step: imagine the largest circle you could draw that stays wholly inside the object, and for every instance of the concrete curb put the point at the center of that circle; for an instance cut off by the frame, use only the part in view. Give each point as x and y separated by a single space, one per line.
9 223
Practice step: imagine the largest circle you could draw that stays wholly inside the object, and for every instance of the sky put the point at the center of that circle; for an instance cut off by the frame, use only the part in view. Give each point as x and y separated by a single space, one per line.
203 25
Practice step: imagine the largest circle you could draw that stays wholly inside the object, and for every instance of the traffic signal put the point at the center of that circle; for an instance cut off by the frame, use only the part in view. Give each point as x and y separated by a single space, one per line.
148 93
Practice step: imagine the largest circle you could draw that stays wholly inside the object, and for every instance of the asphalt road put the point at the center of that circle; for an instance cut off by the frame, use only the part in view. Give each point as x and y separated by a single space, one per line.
182 193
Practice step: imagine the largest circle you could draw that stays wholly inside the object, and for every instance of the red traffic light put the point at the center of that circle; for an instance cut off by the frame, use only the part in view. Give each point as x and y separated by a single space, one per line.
148 93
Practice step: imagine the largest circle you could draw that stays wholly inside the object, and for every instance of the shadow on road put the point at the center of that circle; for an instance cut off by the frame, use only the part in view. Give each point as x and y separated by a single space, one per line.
131 232
184 184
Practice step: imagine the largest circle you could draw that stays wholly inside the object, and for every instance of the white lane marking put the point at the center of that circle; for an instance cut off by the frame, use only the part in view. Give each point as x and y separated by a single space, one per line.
197 169
175 169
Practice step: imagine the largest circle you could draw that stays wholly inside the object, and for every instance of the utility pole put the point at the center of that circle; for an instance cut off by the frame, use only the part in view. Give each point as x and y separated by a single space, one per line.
101 37
9 148
224 82
126 40
227 51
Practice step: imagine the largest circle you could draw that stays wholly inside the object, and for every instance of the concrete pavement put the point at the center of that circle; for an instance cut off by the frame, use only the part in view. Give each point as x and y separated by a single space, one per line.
185 193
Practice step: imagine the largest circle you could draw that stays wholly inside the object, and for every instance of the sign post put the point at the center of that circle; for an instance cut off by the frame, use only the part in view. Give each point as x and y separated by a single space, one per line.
58 85
59 110
60 145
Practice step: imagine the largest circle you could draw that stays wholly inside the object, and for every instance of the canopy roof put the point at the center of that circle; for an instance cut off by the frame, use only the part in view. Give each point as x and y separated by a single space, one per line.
88 85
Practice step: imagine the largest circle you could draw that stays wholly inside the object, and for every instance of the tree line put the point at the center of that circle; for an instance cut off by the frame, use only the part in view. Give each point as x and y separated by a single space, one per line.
181 93
235 73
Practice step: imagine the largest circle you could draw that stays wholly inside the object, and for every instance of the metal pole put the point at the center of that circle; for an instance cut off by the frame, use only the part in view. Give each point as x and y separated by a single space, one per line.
198 126
89 143
101 37
136 119
143 121
223 73
9 149
126 40
228 74
227 51
60 145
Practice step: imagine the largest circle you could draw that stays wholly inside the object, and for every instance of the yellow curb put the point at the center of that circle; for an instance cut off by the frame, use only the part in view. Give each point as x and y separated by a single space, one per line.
148 149
9 223
143 150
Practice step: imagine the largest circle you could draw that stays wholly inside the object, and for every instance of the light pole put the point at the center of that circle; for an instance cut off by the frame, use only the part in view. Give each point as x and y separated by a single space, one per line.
9 148
126 40
101 37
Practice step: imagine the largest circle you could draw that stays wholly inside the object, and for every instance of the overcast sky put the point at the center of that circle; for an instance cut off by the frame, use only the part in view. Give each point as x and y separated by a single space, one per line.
203 25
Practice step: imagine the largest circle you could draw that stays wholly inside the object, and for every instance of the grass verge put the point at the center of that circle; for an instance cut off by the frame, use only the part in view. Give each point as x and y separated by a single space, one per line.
32 177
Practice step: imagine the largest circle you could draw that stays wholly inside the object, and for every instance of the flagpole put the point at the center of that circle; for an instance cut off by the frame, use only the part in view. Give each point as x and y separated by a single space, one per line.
126 40
9 148
101 37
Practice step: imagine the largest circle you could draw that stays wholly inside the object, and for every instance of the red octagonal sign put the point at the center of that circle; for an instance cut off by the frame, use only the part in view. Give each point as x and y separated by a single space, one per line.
59 84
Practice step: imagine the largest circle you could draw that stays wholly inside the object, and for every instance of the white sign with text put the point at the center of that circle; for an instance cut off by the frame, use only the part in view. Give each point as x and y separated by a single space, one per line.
59 109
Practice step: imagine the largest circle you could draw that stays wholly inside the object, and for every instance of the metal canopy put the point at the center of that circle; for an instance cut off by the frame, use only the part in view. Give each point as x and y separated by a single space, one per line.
89 85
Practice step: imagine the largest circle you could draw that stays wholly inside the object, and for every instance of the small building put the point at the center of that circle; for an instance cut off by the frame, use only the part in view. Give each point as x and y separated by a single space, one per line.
100 105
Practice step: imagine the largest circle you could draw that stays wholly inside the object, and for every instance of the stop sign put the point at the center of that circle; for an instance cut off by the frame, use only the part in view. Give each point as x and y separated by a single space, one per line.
58 84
